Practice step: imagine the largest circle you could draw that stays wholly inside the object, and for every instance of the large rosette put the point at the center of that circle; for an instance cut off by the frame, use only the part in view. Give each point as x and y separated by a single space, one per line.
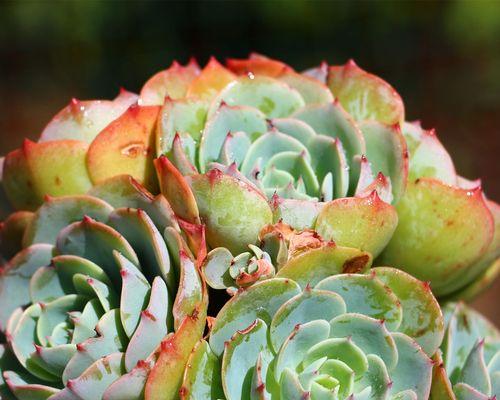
306 335
103 300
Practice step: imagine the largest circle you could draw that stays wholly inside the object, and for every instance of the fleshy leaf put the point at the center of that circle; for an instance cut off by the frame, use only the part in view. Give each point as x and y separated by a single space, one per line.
365 223
295 128
165 378
111 338
124 191
272 97
270 144
387 152
232 211
422 317
152 326
369 334
442 230
56 213
22 342
310 89
441 386
179 116
484 271
428 157
202 378
328 157
172 82
52 168
12 230
261 300
213 78
190 290
300 214
135 292
176 190
216 268
225 120
24 388
312 266
17 182
83 120
258 65
95 380
414 368
140 232
474 372
240 356
365 96
54 313
366 295
15 278
130 386
467 392
96 242
332 120
126 146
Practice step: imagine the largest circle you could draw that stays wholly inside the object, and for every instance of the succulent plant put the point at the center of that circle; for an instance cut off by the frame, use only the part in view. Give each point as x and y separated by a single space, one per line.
277 135
256 142
468 367
310 334
282 188
103 300
330 151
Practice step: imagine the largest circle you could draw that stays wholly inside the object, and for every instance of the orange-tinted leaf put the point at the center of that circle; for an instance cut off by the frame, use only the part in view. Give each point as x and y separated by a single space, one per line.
83 120
172 82
213 78
258 65
177 191
126 146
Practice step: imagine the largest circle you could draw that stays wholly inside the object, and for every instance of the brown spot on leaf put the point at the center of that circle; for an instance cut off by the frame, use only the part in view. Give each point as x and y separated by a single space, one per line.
355 264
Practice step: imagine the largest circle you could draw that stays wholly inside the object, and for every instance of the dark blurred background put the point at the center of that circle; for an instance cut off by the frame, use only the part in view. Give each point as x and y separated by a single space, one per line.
442 57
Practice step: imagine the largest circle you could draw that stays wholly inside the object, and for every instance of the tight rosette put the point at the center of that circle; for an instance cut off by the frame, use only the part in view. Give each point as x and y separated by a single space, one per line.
304 335
279 243
329 150
468 365
280 135
102 301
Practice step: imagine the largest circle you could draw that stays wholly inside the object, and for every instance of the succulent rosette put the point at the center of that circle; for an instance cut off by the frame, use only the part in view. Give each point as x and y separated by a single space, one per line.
279 136
330 151
308 334
468 365
102 299
255 142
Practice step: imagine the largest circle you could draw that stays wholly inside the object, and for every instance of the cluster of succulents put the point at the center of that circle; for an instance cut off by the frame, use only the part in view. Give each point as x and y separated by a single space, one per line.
213 238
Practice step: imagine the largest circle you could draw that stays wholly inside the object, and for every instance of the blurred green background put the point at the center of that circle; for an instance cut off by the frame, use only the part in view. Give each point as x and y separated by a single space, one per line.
442 57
